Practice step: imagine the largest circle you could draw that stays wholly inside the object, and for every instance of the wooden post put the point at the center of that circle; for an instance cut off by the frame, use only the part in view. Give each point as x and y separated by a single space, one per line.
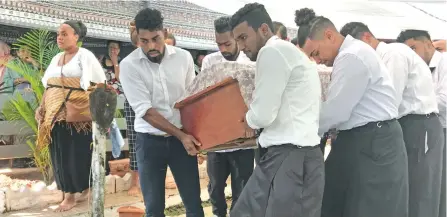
102 108
98 169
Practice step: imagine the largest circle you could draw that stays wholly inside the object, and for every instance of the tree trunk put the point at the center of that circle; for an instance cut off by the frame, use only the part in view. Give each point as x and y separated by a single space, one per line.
98 170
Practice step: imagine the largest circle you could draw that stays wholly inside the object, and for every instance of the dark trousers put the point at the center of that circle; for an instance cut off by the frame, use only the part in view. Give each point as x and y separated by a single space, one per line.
424 141
220 165
367 173
443 202
259 152
288 182
154 154
323 141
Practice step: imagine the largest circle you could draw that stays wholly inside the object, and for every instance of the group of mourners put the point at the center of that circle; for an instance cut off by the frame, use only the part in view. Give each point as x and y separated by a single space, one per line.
386 101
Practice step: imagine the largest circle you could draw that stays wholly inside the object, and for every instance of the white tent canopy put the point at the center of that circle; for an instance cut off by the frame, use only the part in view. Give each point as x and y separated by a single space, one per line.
385 18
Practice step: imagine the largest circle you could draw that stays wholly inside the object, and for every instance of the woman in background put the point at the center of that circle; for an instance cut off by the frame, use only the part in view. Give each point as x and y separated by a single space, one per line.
110 64
67 132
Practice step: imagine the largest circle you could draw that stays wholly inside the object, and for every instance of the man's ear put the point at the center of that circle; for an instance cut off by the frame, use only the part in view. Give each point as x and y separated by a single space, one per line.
264 29
165 33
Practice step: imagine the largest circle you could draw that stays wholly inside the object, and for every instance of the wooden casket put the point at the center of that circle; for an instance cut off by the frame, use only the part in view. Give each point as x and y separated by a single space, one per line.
215 116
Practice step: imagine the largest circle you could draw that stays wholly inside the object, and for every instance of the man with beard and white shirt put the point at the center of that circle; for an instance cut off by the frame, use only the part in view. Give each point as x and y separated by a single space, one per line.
420 42
235 162
367 169
154 77
418 116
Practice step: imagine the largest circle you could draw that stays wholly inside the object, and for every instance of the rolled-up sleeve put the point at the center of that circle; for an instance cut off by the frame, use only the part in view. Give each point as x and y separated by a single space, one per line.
349 80
272 76
136 92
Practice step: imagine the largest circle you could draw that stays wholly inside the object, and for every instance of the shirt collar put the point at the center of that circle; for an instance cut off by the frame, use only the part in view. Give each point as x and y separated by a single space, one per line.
348 40
434 62
271 39
380 46
169 50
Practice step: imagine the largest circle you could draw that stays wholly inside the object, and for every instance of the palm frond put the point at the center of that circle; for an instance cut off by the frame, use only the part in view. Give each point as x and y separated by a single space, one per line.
41 159
29 73
41 45
19 107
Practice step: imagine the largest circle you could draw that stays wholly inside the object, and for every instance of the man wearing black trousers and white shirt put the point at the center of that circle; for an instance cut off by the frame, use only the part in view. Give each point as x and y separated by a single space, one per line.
418 117
420 42
235 162
366 171
154 78
289 179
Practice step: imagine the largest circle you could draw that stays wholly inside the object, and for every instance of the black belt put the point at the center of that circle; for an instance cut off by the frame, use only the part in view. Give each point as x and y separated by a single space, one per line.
375 124
63 87
294 146
422 115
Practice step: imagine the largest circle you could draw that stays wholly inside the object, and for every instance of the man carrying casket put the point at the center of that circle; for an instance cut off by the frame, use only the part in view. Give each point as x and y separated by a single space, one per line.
289 179
237 162
154 77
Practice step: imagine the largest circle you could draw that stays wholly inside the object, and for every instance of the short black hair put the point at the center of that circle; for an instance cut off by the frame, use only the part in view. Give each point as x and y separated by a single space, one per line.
294 41
255 15
278 27
222 24
113 41
419 35
171 36
310 24
355 29
149 19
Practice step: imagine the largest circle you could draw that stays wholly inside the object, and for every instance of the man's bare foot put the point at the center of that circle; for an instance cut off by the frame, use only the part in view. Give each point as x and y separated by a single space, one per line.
68 203
84 195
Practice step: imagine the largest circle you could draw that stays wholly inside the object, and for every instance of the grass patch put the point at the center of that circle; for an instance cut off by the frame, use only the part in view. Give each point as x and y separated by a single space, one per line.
180 209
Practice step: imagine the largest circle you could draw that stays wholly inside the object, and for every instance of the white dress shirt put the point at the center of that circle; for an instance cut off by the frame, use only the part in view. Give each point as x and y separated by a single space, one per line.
411 77
151 85
439 65
217 57
360 91
287 96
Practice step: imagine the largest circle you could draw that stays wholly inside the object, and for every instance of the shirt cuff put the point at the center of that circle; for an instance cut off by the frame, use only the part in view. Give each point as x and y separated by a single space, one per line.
141 110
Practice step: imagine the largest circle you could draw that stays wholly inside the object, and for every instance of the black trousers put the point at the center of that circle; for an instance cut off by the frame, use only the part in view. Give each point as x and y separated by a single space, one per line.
424 142
259 152
367 173
220 165
154 155
443 202
287 182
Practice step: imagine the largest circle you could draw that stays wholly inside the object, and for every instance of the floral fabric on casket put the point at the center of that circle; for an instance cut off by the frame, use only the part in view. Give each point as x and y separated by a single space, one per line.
245 74
325 79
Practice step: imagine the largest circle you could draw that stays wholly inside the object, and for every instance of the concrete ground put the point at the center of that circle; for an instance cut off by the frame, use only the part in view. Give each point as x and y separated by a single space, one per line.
112 203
